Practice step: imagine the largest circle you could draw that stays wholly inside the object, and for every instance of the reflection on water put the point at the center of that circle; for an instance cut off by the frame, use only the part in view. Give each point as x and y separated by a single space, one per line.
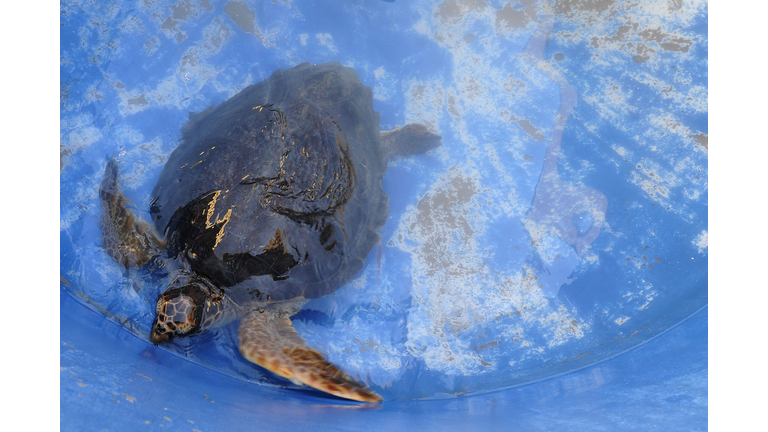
555 226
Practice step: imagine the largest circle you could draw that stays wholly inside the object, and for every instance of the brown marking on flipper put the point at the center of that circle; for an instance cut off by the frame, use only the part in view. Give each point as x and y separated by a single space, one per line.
272 343
126 238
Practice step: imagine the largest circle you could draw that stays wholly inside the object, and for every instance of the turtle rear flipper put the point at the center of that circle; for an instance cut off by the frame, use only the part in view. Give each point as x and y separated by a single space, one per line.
128 239
410 139
272 343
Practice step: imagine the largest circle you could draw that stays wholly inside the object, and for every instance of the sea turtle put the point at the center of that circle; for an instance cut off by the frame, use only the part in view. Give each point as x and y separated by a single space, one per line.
272 198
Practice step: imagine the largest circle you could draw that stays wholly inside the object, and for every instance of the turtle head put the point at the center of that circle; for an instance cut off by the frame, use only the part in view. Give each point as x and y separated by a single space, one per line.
187 307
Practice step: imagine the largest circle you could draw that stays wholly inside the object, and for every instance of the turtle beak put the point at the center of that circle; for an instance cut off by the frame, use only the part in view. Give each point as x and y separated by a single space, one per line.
157 338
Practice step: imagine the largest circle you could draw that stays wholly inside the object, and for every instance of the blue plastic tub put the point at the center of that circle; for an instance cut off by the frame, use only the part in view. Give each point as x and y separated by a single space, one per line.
544 269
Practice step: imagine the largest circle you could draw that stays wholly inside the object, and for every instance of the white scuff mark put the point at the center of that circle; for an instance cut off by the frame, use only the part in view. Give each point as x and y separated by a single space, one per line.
669 124
651 187
190 77
702 241
303 39
422 27
194 71
647 294
363 347
654 180
612 103
80 201
695 98
81 134
621 151
168 91
384 84
326 40
649 297
424 103
621 320
692 195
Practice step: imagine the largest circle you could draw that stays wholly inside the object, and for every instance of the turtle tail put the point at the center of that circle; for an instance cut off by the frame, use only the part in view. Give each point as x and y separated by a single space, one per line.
126 238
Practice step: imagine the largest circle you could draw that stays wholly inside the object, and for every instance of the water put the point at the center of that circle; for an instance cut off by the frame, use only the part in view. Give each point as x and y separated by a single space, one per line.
563 221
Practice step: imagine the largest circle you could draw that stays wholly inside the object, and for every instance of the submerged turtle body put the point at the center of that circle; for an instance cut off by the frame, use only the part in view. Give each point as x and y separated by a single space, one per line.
283 180
273 198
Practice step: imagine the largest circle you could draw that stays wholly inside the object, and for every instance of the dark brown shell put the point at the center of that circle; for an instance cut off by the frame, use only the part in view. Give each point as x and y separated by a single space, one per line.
276 193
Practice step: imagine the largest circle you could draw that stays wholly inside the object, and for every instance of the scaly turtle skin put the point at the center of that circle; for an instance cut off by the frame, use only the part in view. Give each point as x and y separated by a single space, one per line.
273 198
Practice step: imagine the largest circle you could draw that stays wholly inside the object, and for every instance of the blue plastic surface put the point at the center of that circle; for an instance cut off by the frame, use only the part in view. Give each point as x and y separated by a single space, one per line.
563 221
112 380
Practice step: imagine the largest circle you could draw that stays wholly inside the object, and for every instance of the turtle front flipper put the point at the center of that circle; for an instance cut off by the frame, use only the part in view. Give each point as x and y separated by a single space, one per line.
126 238
272 343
